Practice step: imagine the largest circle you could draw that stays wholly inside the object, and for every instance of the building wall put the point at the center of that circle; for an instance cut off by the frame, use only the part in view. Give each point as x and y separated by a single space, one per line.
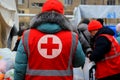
29 7
70 7
34 7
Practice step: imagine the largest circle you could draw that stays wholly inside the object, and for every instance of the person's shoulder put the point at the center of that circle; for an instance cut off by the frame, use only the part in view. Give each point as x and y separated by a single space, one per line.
82 27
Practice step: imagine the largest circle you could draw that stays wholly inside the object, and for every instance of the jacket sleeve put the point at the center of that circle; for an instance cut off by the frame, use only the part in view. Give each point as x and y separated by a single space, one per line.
79 57
20 63
102 46
85 44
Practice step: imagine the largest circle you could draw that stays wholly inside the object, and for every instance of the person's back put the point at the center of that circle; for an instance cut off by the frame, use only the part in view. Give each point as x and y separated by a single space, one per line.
19 34
54 58
106 52
51 48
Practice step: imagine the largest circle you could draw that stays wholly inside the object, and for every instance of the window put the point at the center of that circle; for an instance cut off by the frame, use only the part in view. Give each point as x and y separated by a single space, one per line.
21 11
68 2
110 2
37 4
83 1
20 1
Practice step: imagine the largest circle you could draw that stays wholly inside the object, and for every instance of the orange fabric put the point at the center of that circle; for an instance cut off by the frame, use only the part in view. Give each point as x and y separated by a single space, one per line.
2 76
19 37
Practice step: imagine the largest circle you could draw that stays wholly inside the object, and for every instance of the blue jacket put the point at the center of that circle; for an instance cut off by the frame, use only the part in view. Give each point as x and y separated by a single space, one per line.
49 25
118 37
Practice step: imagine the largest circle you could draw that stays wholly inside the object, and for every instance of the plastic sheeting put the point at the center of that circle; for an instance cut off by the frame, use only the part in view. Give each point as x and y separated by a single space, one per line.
7 61
8 18
7 57
88 66
96 11
8 11
78 74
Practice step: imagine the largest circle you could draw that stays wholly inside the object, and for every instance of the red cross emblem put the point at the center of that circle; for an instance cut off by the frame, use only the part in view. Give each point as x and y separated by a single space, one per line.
49 46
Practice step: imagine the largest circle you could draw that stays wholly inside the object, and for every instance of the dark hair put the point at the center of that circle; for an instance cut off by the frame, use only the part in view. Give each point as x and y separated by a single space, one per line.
100 20
20 32
86 21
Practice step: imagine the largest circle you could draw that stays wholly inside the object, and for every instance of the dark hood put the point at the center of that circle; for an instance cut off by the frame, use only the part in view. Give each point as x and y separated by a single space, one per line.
51 17
105 30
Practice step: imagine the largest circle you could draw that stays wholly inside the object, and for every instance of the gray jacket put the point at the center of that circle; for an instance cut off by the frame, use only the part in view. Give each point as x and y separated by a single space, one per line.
84 37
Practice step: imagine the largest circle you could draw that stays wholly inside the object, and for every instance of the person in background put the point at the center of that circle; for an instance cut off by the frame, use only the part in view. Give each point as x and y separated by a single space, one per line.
118 32
106 52
49 49
84 36
109 26
101 21
13 32
19 34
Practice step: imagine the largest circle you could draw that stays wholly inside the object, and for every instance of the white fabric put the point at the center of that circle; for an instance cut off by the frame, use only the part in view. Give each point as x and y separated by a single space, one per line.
78 74
97 11
87 66
77 16
8 18
9 75
8 11
9 57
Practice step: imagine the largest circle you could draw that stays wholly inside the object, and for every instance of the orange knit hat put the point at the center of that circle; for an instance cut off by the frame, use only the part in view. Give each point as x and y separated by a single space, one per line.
53 5
94 25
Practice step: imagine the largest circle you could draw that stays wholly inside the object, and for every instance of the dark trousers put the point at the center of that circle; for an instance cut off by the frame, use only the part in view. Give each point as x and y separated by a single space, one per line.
113 77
